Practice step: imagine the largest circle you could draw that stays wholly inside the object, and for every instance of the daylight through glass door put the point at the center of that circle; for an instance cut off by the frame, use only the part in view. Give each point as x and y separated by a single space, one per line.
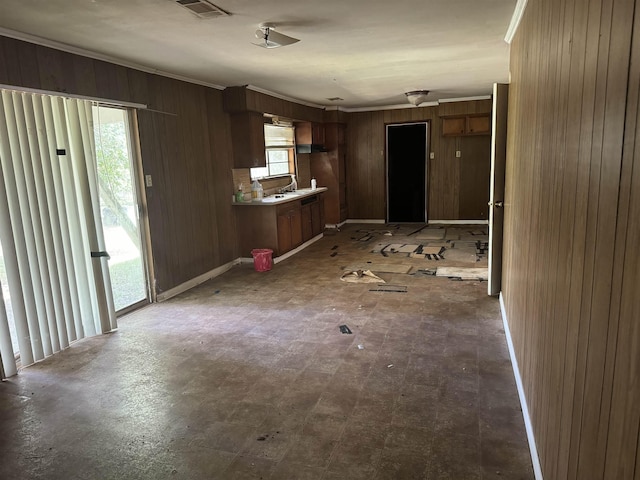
119 206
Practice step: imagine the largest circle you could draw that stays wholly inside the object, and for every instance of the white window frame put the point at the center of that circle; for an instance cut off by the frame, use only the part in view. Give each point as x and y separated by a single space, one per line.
276 143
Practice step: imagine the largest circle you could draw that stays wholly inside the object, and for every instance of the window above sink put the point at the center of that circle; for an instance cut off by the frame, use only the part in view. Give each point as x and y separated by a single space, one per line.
279 153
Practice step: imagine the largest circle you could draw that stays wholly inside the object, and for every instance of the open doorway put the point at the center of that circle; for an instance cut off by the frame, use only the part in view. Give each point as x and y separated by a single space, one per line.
407 172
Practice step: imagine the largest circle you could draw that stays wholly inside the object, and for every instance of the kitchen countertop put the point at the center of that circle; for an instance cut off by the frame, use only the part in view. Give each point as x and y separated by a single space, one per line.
287 197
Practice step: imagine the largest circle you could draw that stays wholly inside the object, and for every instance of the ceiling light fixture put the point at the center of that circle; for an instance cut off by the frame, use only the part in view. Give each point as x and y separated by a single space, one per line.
272 39
416 97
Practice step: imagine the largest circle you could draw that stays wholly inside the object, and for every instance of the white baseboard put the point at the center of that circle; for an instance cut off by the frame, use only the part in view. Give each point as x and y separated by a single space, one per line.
458 222
296 250
194 282
358 220
430 222
537 470
286 255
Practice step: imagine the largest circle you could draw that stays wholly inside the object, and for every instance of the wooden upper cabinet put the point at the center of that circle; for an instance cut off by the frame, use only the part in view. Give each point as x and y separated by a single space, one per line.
466 125
479 125
309 137
453 126
247 134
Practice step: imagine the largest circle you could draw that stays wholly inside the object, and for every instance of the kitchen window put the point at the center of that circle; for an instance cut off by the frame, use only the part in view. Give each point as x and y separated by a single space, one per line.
279 151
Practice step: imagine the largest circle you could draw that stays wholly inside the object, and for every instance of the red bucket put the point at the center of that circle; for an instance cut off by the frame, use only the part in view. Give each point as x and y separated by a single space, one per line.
262 259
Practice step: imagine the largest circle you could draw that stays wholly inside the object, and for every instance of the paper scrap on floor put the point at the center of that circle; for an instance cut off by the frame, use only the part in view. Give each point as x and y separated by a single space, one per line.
463 273
361 276
380 268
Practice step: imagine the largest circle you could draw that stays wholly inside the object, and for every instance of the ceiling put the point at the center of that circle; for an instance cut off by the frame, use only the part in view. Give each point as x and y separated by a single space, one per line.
367 52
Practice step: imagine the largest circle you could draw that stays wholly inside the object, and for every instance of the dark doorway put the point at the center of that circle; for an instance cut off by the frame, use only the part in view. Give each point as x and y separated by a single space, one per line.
406 172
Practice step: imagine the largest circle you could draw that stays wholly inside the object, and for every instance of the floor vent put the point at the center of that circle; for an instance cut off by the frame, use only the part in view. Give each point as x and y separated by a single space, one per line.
202 8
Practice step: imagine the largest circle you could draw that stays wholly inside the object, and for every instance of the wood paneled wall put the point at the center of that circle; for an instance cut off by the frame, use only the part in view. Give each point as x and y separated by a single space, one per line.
572 230
186 149
452 192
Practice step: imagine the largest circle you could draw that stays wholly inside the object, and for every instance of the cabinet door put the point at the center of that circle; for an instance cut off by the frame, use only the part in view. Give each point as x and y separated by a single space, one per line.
317 134
479 125
453 126
296 227
307 220
247 135
284 233
316 225
308 133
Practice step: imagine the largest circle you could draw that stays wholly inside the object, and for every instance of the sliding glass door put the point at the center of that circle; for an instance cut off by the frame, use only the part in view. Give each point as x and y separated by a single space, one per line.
70 248
119 206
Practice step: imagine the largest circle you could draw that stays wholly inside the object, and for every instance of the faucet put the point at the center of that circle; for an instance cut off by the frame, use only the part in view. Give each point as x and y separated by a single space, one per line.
292 187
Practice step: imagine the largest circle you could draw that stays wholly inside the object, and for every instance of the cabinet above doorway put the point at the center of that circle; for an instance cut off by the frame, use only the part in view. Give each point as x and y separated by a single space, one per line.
466 125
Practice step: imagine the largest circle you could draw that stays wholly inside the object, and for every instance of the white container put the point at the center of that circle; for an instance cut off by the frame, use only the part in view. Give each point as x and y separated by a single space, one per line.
314 184
257 192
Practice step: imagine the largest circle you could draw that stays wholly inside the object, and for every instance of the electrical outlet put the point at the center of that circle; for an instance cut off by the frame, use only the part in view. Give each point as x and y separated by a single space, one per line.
458 154
147 180
432 155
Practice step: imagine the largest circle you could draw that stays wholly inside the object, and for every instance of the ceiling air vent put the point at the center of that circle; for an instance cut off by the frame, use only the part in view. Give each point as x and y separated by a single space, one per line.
202 8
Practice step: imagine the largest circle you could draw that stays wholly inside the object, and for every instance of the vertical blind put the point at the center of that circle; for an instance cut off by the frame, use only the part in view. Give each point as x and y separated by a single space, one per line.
50 232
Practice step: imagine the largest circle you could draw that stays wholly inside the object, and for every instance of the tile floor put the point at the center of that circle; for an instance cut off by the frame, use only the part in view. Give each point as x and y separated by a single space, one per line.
248 377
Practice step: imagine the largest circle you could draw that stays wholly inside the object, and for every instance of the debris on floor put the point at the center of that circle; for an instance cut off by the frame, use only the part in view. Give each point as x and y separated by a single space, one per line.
428 272
361 276
463 273
381 268
390 288
408 248
345 329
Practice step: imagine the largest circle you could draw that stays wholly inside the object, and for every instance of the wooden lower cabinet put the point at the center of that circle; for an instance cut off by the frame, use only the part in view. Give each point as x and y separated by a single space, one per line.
312 218
289 227
307 232
280 227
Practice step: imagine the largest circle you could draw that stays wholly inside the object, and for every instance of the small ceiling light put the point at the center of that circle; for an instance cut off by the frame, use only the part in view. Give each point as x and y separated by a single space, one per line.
416 97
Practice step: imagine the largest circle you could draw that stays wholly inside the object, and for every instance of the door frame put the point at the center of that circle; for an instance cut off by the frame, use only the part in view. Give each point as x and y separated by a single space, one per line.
426 165
138 183
497 185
